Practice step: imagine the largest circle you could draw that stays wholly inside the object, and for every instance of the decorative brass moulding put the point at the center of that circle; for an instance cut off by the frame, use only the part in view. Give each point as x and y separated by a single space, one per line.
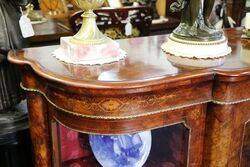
89 33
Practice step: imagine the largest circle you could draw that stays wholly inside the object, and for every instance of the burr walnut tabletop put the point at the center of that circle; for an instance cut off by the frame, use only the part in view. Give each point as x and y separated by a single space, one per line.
142 92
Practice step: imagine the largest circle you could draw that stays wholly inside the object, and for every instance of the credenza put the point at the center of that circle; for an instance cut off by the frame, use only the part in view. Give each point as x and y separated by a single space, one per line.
197 116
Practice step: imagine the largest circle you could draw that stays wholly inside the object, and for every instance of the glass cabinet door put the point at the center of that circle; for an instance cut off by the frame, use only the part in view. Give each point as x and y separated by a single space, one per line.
163 147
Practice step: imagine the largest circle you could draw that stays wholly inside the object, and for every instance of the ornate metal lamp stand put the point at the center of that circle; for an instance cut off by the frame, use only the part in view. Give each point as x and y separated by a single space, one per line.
89 46
89 32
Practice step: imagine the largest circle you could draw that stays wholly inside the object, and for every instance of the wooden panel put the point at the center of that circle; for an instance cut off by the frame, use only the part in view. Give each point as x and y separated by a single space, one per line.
245 161
39 129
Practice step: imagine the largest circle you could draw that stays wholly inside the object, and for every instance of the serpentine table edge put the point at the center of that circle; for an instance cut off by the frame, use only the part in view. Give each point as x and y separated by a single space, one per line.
120 107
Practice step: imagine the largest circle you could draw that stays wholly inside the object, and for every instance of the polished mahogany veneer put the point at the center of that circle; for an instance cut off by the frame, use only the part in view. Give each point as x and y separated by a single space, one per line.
142 92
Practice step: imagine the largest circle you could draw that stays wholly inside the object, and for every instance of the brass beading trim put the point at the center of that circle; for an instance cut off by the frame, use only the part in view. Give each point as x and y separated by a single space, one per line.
118 117
138 115
230 102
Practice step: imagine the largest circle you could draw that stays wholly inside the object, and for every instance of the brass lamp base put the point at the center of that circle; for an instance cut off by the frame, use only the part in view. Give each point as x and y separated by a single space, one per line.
89 34
89 46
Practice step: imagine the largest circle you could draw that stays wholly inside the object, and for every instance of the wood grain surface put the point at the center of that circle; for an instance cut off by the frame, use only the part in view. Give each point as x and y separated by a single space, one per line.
144 91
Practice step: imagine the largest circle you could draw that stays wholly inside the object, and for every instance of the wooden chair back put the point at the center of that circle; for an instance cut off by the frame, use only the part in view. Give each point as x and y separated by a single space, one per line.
112 21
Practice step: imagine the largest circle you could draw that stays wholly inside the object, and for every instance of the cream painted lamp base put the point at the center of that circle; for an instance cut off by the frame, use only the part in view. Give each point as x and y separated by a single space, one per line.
195 63
210 53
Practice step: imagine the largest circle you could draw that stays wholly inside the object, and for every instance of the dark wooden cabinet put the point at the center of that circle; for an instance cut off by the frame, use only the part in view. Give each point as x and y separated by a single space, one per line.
197 117
236 9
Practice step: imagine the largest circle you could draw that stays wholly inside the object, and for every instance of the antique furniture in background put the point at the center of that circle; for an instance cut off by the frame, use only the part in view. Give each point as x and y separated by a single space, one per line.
143 92
168 26
112 21
54 8
236 9
165 27
49 32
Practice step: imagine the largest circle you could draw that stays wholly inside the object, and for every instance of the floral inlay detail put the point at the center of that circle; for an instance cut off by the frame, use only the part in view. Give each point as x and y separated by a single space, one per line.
110 104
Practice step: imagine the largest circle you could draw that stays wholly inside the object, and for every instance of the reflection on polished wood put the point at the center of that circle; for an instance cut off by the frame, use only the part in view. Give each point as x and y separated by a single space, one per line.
145 91
145 63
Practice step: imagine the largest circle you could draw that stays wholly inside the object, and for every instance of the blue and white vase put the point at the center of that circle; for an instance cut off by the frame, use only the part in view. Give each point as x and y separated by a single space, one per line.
130 150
